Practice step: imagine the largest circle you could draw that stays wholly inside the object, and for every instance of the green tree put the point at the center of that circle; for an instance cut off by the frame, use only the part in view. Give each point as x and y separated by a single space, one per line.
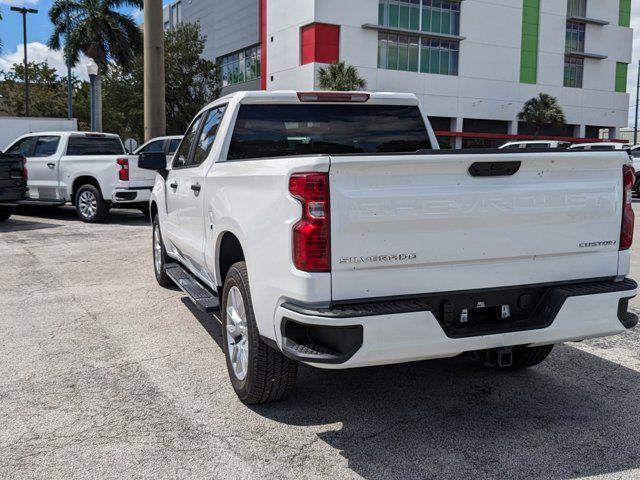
96 29
48 92
191 81
124 100
542 111
340 77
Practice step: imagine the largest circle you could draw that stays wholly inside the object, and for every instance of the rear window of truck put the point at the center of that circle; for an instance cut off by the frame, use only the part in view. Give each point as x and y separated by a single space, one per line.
94 146
263 131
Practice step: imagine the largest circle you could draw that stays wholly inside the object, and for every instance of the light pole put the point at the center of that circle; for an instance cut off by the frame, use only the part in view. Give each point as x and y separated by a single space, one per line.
155 122
24 12
94 94
635 130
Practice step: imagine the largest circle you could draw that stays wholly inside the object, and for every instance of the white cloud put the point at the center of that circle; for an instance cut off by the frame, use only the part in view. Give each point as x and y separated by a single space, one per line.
19 3
39 52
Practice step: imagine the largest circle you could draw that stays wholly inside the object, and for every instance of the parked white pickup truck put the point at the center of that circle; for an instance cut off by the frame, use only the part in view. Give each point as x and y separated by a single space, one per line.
90 170
335 233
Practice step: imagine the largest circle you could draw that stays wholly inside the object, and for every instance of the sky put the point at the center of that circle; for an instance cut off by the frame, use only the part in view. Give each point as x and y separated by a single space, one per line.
39 28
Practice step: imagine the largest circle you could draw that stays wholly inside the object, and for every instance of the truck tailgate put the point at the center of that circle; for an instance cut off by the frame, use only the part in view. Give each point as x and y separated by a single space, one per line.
416 224
139 177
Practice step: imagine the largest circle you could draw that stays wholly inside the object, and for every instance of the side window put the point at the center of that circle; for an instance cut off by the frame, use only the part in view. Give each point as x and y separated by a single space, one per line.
182 155
173 146
23 147
207 135
153 147
46 146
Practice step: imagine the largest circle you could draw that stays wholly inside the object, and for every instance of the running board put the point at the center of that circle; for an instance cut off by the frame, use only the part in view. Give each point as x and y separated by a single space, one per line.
202 298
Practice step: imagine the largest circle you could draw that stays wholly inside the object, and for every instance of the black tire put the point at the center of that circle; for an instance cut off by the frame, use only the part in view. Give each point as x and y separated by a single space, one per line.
525 357
160 258
5 213
90 205
270 376
145 210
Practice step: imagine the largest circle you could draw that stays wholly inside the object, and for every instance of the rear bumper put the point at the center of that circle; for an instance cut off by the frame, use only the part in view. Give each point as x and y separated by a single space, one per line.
403 331
132 195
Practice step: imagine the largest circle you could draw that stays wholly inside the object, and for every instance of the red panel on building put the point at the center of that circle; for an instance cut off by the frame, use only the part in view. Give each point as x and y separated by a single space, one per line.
319 42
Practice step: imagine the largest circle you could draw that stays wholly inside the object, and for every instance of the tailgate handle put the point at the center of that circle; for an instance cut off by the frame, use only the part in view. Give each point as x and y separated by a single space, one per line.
494 169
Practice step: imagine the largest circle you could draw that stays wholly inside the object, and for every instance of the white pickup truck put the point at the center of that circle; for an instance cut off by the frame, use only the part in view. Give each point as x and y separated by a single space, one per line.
90 170
329 229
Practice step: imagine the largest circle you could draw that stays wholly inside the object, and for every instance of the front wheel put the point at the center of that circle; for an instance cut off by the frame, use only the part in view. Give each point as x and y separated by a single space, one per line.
90 206
5 213
258 373
160 257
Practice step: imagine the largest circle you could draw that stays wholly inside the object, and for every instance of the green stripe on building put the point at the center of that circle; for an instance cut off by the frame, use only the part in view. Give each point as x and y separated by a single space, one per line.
621 77
529 48
625 13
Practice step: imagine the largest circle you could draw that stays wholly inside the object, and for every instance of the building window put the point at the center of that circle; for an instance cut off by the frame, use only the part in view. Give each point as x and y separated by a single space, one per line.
175 14
575 37
577 8
399 13
241 66
573 70
412 54
440 16
437 16
439 56
398 52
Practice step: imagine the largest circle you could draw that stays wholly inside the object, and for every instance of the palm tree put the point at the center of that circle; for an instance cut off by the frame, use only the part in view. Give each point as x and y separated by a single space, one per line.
340 77
96 29
542 111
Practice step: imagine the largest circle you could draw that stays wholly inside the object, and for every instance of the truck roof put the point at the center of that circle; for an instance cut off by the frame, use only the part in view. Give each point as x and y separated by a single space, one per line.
72 133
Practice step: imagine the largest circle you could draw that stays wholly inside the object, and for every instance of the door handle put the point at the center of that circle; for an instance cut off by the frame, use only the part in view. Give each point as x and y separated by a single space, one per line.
51 165
494 169
174 185
196 187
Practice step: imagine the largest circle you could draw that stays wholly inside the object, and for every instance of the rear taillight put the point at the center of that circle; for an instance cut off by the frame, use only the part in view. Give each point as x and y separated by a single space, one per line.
333 97
123 173
628 217
25 175
311 234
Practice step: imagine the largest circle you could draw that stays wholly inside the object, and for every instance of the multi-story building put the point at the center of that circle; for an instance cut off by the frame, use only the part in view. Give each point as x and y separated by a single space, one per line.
472 63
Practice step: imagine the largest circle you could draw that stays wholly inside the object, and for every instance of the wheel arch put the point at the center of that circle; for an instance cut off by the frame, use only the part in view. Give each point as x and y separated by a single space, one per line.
229 252
84 180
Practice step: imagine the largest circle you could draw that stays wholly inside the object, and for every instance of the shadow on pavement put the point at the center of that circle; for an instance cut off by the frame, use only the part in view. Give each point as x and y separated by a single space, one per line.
575 415
68 213
18 225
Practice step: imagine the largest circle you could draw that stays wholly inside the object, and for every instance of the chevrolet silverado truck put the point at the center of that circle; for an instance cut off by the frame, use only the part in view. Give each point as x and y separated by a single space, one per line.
13 184
328 228
89 170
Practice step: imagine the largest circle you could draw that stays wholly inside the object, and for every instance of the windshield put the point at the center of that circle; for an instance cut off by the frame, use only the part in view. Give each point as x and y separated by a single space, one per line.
284 130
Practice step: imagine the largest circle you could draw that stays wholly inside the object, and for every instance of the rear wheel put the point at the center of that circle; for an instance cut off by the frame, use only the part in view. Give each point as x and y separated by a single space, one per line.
145 210
5 213
258 373
90 206
160 257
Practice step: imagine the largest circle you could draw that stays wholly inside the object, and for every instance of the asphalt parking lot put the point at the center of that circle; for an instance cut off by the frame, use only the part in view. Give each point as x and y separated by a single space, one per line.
103 374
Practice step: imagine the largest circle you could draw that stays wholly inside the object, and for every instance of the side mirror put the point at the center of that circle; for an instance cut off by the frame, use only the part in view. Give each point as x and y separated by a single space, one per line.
153 161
